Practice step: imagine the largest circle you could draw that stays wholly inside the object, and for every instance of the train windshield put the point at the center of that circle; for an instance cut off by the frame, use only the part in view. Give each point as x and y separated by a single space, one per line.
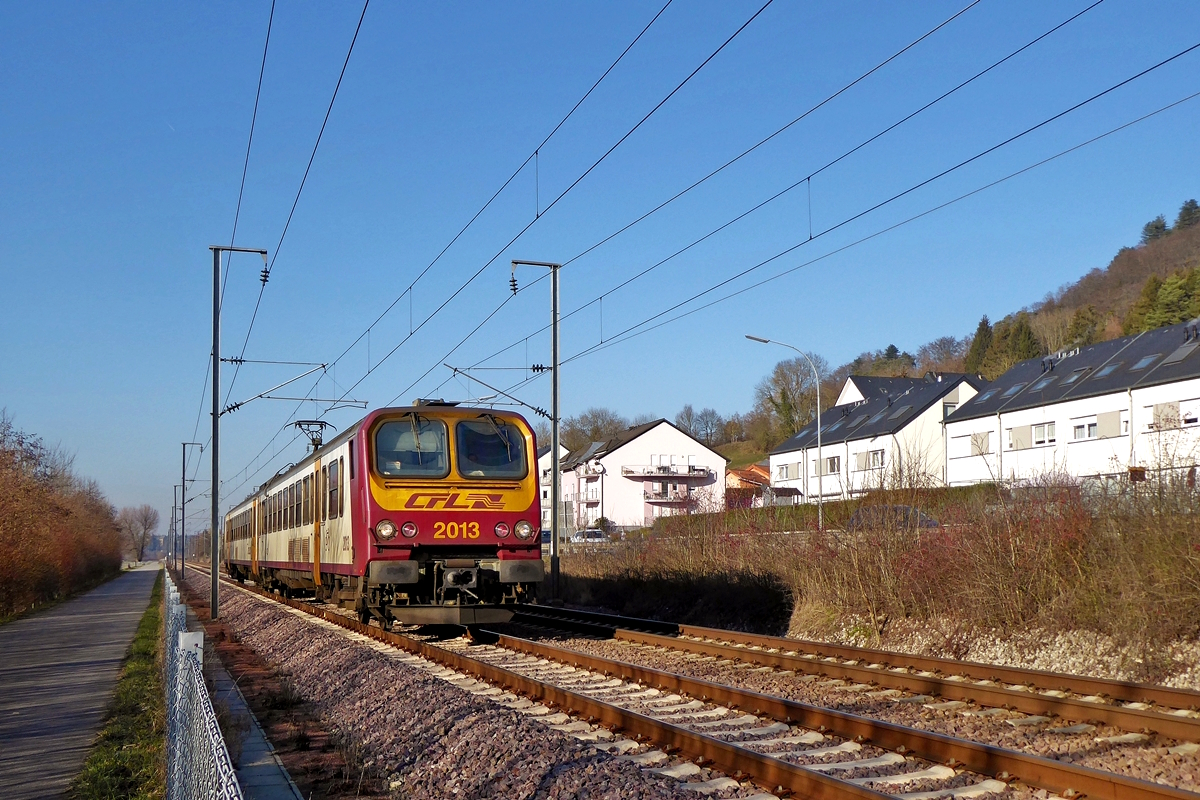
490 448
412 446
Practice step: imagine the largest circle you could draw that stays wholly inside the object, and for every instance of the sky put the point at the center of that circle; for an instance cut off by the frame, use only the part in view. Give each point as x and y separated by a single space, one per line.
124 138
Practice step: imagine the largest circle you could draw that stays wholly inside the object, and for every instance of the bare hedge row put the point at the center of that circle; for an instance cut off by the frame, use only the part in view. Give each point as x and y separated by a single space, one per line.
1122 560
57 532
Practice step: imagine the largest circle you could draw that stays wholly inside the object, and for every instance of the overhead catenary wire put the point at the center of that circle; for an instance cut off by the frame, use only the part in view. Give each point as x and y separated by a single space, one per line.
487 204
628 332
266 273
806 180
561 195
238 209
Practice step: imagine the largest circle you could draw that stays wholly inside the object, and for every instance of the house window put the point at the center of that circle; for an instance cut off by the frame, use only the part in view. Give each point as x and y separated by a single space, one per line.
1074 376
1012 390
833 464
948 409
875 458
1043 434
1084 430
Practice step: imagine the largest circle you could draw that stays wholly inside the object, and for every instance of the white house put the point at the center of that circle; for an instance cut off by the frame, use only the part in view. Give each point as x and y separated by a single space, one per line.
881 432
545 475
648 471
1108 409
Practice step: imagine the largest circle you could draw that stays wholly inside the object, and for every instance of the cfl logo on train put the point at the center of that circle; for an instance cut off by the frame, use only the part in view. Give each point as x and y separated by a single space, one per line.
449 500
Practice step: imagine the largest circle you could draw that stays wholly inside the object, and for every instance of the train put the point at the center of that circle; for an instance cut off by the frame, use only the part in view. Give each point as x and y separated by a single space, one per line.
424 514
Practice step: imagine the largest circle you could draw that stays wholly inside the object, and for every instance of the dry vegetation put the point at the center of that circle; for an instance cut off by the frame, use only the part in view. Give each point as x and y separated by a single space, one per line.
58 533
1121 561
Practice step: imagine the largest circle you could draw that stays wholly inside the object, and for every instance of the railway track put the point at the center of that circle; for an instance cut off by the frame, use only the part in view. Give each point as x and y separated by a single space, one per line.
1135 707
685 727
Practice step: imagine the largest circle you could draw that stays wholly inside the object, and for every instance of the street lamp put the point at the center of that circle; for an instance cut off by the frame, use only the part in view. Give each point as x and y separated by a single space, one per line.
215 550
555 485
817 382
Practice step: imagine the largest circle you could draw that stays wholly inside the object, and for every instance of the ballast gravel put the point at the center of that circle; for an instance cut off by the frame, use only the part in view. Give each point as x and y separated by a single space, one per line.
428 738
1149 760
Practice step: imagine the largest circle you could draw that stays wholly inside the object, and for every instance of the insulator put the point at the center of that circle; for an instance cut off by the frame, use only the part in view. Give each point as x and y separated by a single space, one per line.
512 284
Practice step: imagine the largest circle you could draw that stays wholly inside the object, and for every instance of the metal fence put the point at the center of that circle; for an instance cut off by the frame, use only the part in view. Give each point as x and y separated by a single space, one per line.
198 764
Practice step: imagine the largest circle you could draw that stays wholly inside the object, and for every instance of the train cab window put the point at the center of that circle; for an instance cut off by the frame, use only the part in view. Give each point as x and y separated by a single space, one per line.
333 490
412 446
488 447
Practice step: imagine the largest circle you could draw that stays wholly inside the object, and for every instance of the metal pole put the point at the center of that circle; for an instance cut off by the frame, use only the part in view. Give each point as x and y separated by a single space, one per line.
173 549
556 486
820 465
215 488
183 514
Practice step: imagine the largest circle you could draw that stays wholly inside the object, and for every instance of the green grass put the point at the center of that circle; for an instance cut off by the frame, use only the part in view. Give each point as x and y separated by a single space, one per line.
128 759
741 454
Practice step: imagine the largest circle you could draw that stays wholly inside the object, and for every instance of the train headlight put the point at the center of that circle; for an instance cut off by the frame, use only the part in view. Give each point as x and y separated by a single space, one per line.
524 530
409 529
385 530
502 530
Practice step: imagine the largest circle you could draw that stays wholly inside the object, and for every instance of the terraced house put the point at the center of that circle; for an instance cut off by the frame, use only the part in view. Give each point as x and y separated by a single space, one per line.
882 432
1120 408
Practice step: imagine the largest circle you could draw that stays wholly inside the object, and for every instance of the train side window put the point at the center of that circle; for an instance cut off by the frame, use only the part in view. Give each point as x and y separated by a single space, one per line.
334 475
342 495
277 512
287 507
321 492
306 514
296 504
351 445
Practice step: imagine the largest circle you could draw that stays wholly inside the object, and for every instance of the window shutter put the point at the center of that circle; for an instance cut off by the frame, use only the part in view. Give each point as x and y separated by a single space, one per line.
862 460
1022 437
1108 424
981 443
1166 415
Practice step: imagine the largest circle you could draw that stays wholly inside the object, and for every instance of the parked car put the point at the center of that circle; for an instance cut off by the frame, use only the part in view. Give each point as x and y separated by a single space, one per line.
901 518
589 536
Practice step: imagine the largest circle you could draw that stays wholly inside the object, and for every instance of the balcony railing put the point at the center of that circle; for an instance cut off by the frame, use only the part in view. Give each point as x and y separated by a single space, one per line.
659 496
674 470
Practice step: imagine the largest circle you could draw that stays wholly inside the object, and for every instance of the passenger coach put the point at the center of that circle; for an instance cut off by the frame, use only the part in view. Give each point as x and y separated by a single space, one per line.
426 514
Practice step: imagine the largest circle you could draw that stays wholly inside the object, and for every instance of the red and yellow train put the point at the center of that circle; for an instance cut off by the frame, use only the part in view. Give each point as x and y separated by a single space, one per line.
424 514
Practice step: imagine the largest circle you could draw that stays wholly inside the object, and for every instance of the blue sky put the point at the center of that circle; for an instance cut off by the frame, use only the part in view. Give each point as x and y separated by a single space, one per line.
124 132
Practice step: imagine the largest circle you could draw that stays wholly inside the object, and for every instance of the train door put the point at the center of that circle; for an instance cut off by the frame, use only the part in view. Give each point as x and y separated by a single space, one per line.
252 523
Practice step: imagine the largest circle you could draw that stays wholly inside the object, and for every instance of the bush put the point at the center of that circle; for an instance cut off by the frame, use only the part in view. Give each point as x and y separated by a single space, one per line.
57 533
1122 560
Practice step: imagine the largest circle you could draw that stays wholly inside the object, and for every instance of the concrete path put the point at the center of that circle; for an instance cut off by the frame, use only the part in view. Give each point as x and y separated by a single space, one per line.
58 669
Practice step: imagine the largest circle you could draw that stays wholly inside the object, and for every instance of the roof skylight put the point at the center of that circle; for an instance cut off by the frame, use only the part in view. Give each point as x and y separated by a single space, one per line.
1145 361
1016 387
1108 369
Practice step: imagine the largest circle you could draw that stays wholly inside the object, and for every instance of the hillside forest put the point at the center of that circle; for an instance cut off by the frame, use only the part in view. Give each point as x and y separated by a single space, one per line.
1152 283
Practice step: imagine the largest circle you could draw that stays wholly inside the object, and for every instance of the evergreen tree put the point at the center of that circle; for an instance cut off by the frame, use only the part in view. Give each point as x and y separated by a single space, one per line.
1084 328
979 346
1155 229
1170 306
891 353
1135 318
1023 342
1189 215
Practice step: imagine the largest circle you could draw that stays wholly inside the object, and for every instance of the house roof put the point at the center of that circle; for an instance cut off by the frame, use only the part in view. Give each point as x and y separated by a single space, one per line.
755 473
879 415
878 386
600 449
1152 358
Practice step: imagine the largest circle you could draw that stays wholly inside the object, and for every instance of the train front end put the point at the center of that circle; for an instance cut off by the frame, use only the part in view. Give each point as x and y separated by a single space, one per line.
452 515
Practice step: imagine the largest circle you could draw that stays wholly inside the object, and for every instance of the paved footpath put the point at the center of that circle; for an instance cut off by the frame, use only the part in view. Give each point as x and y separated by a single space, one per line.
58 669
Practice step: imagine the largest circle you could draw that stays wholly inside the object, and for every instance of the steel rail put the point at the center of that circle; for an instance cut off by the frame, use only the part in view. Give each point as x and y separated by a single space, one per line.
1126 691
1065 779
1130 719
1068 780
763 769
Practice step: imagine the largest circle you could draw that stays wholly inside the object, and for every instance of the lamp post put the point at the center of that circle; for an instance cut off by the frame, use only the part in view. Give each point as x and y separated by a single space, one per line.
183 508
173 547
555 485
215 549
817 383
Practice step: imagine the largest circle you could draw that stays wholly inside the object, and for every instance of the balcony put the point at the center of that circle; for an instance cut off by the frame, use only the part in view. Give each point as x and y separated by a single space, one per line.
673 470
592 496
659 496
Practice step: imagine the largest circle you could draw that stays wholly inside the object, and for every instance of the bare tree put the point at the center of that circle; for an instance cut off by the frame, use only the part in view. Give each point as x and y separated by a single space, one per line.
685 420
593 425
943 354
642 419
789 395
137 527
541 431
709 426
